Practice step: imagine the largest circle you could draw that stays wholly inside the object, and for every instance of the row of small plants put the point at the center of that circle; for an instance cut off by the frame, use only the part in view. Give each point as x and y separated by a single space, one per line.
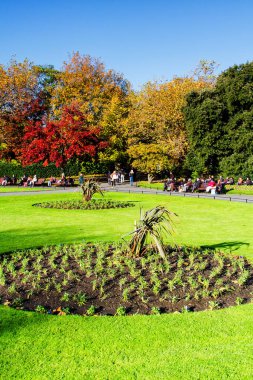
101 279
94 204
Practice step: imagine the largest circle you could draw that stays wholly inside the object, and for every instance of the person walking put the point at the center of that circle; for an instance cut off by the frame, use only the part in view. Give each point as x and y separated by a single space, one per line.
81 179
131 177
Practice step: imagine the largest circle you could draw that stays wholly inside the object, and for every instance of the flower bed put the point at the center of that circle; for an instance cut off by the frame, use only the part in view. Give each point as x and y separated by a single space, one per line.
106 280
94 204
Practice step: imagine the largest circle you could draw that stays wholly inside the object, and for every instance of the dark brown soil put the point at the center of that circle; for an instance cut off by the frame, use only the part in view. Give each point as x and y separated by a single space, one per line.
71 279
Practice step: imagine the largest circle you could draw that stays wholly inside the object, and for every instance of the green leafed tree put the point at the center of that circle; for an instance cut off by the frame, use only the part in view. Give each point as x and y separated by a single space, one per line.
219 125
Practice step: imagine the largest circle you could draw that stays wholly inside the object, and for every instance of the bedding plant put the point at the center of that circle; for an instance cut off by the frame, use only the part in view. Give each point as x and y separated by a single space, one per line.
120 279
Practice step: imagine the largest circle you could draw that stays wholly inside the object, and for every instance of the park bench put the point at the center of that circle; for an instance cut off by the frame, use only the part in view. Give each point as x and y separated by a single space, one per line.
40 182
201 188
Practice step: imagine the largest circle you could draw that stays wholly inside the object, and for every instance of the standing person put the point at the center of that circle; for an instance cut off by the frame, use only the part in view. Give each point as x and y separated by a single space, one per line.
114 178
81 179
131 177
122 176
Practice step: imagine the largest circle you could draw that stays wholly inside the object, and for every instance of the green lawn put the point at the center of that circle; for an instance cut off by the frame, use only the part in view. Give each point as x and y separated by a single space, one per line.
227 225
206 345
15 189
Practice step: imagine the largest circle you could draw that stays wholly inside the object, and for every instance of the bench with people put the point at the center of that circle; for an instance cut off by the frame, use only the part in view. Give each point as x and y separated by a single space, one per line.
28 181
199 185
62 182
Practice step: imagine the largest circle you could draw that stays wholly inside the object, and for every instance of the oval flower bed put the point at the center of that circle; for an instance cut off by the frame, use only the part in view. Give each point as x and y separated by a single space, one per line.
94 204
106 280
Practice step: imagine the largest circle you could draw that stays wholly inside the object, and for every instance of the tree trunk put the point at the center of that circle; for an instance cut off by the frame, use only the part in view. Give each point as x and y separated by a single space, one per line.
150 178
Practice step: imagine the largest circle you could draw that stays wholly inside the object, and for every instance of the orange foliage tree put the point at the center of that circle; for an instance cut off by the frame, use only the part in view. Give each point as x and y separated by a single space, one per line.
23 97
157 138
101 95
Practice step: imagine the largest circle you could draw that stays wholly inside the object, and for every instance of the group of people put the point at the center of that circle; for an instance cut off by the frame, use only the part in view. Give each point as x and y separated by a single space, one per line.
31 181
28 180
63 181
8 180
208 185
247 182
118 176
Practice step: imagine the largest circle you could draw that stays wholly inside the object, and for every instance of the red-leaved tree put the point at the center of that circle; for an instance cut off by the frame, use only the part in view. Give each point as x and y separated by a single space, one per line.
61 140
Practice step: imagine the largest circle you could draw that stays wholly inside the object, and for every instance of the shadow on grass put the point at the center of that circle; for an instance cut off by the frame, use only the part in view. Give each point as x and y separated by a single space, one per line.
13 320
228 245
16 239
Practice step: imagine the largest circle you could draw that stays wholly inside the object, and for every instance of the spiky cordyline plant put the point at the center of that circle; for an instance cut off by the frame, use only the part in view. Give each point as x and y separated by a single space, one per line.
89 188
152 225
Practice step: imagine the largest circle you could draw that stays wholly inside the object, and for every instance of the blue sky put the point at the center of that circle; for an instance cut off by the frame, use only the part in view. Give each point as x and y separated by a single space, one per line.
143 40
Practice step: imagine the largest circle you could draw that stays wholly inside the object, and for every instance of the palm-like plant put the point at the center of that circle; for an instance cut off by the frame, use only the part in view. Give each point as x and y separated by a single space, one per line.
151 226
89 188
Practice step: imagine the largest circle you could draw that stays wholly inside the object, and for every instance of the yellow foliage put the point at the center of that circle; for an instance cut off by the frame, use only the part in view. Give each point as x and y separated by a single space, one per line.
156 129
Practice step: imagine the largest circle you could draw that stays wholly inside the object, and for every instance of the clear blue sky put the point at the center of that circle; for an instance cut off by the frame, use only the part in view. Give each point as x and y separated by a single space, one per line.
142 39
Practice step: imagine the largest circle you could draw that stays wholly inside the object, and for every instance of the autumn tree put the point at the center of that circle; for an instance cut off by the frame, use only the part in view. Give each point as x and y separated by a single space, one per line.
102 95
114 131
58 141
23 97
156 128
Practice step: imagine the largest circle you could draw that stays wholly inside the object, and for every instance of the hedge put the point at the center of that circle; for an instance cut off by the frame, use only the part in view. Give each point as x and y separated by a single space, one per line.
71 169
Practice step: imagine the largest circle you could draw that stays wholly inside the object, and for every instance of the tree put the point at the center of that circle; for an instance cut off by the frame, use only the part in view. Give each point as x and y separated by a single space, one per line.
205 71
24 94
101 95
114 131
156 129
219 124
86 81
61 140
204 117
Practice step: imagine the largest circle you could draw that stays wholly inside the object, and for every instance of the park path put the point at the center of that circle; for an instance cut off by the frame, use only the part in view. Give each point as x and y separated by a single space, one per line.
126 188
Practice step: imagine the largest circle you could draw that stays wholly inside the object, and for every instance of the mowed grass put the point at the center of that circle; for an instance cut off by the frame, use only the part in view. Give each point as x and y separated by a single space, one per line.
14 189
205 345
215 223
